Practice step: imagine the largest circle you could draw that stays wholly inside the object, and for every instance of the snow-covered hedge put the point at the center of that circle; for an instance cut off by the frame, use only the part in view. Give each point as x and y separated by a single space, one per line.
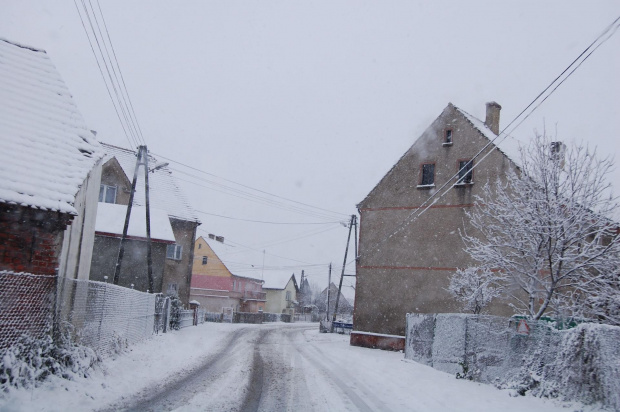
31 360
577 364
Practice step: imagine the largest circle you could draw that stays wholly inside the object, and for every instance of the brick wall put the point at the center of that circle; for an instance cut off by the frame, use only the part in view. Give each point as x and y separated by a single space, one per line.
30 239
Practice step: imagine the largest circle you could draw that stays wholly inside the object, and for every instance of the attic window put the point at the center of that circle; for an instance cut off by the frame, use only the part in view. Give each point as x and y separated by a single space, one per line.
428 176
107 194
204 260
447 137
466 173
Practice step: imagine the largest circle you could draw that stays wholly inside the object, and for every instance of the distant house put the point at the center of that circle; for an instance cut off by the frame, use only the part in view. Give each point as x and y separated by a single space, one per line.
173 226
344 307
405 267
281 293
215 287
49 178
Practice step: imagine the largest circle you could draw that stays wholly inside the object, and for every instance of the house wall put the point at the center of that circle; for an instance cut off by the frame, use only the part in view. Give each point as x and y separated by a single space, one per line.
409 272
113 175
179 272
276 299
31 239
30 245
134 265
79 237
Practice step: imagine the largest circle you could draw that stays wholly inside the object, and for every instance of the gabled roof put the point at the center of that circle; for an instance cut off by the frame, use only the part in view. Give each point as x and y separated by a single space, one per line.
279 281
47 150
164 191
507 145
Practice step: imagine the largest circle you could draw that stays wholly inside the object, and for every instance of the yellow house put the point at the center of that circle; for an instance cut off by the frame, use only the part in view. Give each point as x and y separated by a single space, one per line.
215 287
281 293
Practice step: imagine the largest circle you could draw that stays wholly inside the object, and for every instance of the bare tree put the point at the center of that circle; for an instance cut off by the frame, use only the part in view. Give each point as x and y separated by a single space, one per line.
545 239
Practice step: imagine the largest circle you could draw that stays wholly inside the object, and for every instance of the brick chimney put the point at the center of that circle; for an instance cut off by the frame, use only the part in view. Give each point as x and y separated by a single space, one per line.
492 120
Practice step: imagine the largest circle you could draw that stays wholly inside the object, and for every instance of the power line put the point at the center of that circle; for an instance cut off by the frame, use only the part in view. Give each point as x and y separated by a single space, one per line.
577 62
251 197
266 222
131 110
252 188
131 143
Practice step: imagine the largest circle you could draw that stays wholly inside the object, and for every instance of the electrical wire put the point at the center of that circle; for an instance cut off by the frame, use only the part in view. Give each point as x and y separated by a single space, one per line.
576 62
252 188
266 222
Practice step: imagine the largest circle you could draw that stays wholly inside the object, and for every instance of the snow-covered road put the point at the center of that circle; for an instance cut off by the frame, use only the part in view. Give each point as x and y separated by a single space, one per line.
271 367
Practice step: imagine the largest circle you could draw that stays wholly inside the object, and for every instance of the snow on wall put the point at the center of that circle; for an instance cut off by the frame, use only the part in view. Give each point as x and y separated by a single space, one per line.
581 364
106 317
47 150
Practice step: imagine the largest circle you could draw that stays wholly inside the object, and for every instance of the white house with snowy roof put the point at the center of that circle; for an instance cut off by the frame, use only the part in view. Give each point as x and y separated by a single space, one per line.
281 292
173 226
50 167
405 262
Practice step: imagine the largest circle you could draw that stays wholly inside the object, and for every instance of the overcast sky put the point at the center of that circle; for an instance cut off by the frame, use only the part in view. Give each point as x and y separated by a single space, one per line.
314 101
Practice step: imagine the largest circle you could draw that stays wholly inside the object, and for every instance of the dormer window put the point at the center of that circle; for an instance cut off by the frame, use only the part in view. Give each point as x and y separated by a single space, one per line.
447 137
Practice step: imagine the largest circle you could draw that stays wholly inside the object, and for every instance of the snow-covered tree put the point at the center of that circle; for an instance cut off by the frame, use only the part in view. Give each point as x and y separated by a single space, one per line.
474 287
544 237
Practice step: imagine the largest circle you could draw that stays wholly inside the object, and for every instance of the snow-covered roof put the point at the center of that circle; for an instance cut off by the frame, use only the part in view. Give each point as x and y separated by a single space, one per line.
164 191
506 144
111 220
47 150
277 280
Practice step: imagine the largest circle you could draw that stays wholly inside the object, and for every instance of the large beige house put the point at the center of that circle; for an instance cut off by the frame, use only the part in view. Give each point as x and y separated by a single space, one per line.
406 261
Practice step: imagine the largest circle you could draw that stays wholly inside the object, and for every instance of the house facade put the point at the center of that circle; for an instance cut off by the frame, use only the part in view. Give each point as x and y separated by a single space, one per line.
281 293
215 287
406 261
173 226
49 171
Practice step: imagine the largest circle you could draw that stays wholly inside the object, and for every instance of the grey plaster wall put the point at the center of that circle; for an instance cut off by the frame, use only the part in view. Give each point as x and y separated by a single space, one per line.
409 271
134 265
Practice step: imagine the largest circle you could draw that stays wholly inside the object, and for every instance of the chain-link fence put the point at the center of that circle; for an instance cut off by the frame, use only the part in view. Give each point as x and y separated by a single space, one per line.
103 316
577 364
25 305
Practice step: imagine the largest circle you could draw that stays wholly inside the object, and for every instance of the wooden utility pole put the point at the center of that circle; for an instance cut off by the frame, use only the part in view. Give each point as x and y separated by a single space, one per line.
344 263
329 282
142 160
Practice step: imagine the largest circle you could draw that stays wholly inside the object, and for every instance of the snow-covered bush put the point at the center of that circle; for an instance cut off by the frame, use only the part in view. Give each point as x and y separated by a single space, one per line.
176 306
30 361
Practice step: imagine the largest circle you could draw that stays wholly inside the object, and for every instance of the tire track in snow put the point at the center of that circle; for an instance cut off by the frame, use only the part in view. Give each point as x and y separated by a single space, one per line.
178 392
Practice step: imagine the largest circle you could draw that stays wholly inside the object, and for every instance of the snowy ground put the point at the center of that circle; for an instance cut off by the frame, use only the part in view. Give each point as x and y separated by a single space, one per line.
266 367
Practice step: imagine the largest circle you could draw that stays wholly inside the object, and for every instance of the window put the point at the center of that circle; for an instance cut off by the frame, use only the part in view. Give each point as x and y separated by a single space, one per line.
288 295
447 140
204 260
234 285
199 245
107 194
466 172
428 175
174 252
172 289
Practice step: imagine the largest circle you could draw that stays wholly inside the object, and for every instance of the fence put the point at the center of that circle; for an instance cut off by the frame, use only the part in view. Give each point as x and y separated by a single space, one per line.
276 317
577 364
106 317
307 317
25 305
186 318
